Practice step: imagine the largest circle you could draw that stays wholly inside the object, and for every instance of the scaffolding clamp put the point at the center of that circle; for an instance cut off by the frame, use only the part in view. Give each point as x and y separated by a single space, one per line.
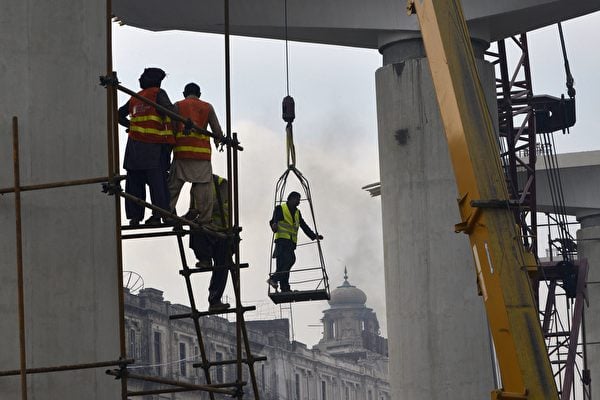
106 80
113 186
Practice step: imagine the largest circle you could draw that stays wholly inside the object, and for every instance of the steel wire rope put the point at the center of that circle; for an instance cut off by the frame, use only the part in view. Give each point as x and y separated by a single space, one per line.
190 358
287 61
291 149
556 193
288 117
570 80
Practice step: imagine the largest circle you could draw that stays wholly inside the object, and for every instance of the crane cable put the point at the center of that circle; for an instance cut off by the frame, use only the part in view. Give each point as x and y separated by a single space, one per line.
570 80
287 60
288 106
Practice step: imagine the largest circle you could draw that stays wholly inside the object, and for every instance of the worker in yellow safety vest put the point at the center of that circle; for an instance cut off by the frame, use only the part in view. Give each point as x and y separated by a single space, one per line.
148 150
192 155
285 223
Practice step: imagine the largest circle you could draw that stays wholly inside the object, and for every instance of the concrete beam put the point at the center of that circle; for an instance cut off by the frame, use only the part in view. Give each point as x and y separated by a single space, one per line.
357 23
580 179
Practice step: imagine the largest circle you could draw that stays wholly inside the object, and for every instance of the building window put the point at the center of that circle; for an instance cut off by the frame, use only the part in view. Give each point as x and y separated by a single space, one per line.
158 352
347 397
196 359
369 395
323 390
334 330
182 360
297 391
219 370
132 344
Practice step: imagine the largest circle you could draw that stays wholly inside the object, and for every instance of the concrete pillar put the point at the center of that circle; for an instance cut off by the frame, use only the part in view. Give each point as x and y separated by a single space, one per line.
438 341
588 246
52 55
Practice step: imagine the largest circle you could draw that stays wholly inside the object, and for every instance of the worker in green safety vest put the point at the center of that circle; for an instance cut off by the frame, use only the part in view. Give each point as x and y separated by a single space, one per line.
209 248
285 223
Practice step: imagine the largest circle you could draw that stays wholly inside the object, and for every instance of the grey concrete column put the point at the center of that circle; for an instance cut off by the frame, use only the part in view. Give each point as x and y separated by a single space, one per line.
588 246
52 54
438 337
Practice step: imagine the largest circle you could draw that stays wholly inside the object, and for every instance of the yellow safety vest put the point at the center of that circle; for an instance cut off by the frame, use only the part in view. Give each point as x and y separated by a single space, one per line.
288 227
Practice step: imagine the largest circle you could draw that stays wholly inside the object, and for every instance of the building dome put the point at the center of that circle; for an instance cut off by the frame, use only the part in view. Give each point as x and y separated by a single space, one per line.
347 295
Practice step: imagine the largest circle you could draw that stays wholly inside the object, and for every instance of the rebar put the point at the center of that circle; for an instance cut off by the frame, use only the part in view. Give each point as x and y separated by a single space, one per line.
19 237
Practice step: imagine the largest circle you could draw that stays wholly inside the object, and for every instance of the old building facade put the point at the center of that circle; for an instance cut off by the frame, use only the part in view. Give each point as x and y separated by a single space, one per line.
349 363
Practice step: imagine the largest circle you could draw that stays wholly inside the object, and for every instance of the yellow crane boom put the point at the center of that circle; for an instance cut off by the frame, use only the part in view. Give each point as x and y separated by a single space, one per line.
501 260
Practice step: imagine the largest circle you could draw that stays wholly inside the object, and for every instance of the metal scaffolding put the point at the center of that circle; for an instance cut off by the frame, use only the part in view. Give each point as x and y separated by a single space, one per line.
111 185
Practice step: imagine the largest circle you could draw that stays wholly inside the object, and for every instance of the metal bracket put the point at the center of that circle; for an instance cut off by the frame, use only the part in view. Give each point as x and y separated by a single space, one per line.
113 186
496 203
106 80
501 395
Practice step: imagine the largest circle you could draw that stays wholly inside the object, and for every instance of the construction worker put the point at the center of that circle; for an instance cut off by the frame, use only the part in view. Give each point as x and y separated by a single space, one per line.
148 150
285 223
209 248
192 154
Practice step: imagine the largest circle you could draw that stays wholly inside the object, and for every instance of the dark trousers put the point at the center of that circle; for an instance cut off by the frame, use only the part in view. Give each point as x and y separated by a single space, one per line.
207 248
135 184
285 259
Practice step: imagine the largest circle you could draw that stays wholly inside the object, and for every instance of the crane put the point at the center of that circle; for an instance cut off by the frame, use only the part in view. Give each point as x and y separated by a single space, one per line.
486 217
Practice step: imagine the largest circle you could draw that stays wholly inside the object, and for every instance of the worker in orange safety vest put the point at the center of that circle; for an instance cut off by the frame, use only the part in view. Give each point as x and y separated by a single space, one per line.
148 150
192 155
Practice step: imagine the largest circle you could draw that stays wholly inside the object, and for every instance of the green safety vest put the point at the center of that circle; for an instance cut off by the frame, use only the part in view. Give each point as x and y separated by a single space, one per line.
216 215
288 227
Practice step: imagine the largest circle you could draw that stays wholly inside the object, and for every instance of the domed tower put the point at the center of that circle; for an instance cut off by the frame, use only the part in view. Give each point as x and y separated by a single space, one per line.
350 329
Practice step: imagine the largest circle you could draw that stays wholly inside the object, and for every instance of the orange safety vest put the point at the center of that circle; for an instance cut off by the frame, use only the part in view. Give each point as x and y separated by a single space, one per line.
146 124
195 145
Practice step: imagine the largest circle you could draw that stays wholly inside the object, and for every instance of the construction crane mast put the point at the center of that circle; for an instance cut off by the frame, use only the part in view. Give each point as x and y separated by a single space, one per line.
524 369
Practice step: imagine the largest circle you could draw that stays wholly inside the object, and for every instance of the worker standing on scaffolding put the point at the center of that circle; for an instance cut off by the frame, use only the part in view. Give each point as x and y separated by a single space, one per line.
209 248
285 223
148 150
192 154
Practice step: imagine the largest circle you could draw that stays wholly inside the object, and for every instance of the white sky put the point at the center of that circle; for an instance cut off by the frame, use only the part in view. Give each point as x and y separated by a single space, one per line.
335 134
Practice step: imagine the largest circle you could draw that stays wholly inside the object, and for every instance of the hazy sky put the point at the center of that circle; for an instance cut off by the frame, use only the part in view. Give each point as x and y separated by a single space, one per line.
336 145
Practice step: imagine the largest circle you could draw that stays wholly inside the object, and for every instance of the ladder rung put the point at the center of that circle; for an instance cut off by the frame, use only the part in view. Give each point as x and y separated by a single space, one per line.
205 313
228 362
557 334
153 234
210 269
144 226
173 230
297 270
